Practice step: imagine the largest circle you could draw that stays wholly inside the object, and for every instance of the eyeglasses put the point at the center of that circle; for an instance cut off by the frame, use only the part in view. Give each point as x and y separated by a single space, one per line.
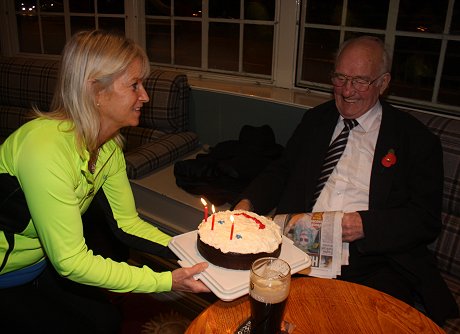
358 83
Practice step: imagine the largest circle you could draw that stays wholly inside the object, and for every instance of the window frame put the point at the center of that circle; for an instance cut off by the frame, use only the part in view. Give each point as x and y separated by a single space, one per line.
390 33
289 30
205 72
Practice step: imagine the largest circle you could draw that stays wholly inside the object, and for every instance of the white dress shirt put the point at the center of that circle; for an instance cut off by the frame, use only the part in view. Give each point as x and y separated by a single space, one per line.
347 189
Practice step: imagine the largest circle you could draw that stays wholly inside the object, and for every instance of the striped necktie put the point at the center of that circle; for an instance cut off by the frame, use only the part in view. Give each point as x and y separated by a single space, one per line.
333 155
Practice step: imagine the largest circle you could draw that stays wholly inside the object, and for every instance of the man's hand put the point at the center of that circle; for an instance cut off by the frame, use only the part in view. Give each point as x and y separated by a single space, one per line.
183 280
294 218
352 227
244 204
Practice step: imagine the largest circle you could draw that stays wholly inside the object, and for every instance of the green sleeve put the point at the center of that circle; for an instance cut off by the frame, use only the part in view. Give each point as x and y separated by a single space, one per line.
51 174
120 196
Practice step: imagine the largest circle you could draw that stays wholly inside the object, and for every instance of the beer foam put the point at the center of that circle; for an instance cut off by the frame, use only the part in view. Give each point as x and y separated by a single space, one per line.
269 291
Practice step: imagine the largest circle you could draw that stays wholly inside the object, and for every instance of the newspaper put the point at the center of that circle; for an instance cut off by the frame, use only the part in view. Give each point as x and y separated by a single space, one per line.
319 234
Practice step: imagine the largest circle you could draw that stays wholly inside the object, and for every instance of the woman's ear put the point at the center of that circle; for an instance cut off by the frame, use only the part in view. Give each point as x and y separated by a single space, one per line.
98 91
93 90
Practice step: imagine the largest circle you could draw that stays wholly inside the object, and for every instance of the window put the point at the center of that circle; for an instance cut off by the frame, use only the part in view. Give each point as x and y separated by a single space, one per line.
285 43
424 38
102 14
43 26
235 37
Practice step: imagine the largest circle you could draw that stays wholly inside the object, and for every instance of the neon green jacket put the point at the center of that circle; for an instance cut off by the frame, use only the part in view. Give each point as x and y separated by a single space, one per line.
58 186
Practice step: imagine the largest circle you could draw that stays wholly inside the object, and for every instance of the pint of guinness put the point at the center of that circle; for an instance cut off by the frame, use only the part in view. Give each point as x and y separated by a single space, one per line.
270 279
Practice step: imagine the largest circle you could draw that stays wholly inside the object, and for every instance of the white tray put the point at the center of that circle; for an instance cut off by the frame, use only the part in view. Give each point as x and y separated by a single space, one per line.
228 284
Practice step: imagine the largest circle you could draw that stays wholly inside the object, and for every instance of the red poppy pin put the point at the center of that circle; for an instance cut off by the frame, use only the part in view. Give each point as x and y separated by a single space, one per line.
389 159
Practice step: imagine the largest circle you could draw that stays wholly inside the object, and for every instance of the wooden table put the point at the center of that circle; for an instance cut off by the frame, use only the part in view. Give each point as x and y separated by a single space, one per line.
318 305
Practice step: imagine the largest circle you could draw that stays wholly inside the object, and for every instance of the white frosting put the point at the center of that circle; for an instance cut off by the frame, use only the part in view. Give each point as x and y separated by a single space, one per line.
248 236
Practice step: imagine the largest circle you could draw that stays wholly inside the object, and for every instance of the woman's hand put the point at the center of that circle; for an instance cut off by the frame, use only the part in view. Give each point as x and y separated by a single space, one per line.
183 280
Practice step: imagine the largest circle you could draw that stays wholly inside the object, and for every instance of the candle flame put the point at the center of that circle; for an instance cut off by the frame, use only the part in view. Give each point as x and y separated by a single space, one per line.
231 218
213 209
204 202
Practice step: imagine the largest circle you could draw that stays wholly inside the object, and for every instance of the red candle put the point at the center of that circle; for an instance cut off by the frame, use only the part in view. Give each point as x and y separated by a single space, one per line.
205 209
213 216
233 227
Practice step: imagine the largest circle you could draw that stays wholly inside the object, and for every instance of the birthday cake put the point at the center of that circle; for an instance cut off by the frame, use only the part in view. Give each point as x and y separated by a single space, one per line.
235 239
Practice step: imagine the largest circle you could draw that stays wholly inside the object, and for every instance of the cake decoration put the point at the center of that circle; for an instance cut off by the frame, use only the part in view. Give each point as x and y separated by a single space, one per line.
261 225
238 238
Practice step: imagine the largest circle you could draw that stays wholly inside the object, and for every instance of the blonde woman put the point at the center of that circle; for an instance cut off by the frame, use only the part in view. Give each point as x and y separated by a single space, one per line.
50 281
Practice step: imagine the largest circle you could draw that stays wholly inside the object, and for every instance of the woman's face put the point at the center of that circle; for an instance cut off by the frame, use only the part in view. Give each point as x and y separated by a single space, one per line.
120 104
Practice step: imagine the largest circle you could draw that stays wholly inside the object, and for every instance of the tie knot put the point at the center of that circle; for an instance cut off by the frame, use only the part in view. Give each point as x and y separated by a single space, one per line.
350 123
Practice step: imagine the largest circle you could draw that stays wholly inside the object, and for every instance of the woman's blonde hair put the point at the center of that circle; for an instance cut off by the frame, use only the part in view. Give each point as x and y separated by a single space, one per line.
90 62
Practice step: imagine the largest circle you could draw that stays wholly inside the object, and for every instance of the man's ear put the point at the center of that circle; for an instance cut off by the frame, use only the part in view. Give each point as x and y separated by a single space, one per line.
386 78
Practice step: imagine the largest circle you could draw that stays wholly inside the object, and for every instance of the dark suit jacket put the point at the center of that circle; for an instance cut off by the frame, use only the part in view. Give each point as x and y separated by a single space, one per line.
405 199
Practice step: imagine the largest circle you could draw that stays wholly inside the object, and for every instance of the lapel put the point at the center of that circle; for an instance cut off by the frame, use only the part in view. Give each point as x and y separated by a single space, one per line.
382 177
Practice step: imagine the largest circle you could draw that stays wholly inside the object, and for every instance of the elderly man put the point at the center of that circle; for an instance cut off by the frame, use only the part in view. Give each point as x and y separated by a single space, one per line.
386 176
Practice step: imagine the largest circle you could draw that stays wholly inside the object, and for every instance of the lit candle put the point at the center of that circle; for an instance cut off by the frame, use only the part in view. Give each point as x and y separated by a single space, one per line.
233 226
213 216
205 209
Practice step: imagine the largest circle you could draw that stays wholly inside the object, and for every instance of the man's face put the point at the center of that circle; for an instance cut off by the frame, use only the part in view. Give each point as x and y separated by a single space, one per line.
359 60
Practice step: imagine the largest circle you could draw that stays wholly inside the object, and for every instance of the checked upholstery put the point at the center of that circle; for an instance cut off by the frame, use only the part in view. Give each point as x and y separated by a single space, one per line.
447 246
163 133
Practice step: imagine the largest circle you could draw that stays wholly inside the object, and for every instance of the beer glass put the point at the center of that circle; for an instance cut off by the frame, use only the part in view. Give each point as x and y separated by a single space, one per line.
270 279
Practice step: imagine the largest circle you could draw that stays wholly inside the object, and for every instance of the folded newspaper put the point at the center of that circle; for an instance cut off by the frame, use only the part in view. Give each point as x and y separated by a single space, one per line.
319 234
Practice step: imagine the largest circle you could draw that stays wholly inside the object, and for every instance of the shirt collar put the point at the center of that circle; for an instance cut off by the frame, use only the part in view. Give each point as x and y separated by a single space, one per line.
370 119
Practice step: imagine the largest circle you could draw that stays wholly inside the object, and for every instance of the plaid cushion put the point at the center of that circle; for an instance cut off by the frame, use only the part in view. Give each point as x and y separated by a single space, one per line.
448 130
27 82
160 152
137 136
167 109
447 245
11 118
453 325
